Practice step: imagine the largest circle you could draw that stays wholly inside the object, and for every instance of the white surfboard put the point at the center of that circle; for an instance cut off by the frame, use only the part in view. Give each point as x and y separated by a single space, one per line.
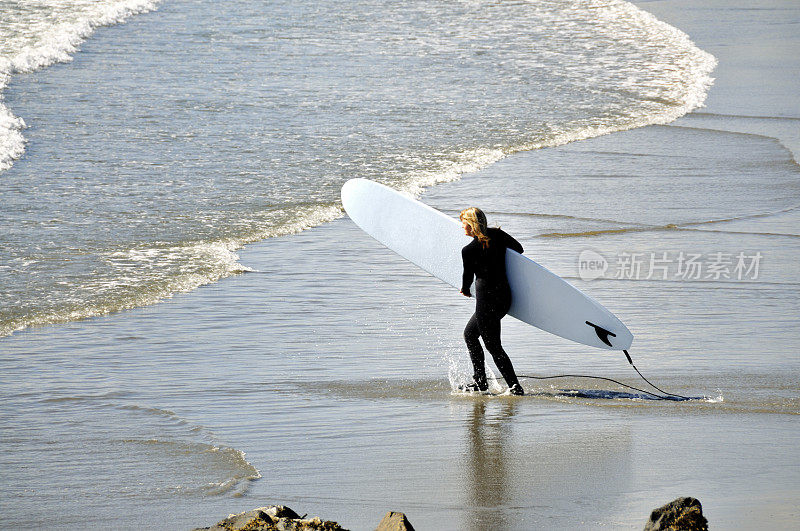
433 241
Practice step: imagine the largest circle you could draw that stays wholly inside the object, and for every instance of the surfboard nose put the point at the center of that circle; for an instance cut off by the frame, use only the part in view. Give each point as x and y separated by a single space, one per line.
348 192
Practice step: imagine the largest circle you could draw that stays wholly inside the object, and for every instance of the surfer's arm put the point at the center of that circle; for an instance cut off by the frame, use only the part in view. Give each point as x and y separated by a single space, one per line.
512 244
469 273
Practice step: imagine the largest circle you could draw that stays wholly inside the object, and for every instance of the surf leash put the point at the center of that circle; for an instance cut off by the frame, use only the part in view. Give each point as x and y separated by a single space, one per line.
649 382
664 396
654 395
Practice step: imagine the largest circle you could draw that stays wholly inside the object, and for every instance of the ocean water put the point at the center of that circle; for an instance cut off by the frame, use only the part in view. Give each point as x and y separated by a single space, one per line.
321 376
166 145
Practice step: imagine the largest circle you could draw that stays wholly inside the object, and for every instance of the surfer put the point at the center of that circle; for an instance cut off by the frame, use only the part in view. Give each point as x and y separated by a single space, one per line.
484 259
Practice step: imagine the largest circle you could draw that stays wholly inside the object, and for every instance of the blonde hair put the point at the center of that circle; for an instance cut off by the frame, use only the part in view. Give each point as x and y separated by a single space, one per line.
476 219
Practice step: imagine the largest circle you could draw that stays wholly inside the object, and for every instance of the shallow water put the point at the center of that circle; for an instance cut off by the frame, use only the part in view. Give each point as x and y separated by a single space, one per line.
322 377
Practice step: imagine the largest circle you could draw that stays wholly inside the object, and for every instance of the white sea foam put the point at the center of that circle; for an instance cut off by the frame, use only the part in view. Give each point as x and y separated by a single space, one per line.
450 169
139 277
715 399
653 72
685 81
38 34
12 143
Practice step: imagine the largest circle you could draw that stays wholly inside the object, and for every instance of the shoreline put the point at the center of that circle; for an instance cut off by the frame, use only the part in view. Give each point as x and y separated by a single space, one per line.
313 327
720 116
224 260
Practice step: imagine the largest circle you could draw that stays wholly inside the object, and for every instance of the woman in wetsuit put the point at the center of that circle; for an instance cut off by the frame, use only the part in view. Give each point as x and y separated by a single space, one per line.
485 259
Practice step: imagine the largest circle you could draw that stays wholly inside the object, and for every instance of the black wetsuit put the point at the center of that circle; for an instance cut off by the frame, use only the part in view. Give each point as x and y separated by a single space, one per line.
492 301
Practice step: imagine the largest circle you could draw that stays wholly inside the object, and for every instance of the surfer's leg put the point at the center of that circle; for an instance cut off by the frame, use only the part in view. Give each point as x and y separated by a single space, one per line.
489 323
471 335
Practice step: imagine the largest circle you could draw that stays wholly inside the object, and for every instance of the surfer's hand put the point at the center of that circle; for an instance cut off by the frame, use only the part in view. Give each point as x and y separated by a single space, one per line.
466 294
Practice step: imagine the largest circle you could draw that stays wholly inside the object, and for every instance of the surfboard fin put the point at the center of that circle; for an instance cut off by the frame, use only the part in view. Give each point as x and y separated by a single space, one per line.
602 333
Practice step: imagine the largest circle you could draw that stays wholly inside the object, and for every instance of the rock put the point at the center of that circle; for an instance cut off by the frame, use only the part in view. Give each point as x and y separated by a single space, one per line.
281 511
255 519
272 518
395 522
682 514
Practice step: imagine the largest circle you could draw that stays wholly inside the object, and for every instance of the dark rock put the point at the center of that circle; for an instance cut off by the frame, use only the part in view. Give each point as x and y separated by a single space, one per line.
395 522
281 511
682 514
273 518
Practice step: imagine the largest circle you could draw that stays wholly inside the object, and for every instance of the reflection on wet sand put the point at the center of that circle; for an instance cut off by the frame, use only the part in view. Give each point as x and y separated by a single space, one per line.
486 465
520 472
